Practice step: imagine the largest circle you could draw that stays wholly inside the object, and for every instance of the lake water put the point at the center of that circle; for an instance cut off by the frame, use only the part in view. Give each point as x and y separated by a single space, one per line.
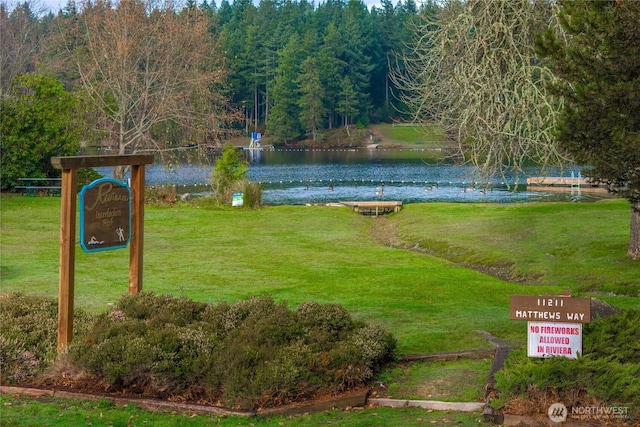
303 176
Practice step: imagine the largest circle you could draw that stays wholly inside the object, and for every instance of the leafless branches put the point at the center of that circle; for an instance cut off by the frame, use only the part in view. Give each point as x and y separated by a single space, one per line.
473 70
150 71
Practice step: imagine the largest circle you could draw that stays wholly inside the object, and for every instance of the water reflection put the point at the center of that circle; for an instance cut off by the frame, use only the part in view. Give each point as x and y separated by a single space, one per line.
325 176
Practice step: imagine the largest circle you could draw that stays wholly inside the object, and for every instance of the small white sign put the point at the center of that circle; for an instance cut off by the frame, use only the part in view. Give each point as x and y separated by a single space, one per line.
237 199
547 339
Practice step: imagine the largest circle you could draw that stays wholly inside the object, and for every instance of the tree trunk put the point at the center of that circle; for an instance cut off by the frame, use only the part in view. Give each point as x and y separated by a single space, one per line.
634 238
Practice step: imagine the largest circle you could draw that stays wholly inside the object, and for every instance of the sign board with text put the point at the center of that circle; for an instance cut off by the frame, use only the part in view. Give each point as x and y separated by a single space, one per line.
549 339
237 199
105 215
550 309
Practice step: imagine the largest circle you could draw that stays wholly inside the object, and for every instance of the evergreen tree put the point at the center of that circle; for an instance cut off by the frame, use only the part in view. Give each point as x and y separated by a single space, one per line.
330 68
230 168
283 123
357 37
386 39
313 111
241 43
599 67
348 103
344 36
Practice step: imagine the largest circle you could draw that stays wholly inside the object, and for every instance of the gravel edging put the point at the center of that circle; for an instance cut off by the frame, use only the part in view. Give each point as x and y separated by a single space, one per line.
357 398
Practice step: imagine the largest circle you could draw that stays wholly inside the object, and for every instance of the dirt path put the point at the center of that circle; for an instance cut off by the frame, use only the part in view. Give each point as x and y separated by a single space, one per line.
384 231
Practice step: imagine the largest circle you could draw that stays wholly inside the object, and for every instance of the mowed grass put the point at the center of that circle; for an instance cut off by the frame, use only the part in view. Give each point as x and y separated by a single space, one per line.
423 135
26 411
462 380
327 254
578 246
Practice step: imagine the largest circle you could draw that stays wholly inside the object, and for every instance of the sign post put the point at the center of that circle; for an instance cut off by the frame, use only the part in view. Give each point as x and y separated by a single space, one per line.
554 326
70 166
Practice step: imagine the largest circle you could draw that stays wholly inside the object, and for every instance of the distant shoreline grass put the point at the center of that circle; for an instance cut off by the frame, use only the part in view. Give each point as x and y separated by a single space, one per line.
327 254
411 134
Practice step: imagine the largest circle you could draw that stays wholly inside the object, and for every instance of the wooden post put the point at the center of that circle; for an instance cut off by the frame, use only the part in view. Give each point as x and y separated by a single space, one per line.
136 243
70 166
67 256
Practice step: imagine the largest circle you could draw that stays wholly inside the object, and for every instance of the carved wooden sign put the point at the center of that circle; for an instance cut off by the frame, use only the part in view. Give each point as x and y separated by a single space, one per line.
550 308
105 215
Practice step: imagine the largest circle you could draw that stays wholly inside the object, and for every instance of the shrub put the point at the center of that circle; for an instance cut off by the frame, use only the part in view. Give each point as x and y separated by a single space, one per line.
230 168
146 343
251 353
29 335
251 193
161 194
325 323
608 372
160 309
615 339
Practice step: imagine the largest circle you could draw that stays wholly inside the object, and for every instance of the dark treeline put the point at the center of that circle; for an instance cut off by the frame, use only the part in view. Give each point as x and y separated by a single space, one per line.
299 68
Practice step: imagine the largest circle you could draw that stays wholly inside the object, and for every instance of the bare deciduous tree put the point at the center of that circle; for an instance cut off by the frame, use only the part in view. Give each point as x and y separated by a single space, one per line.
473 69
151 73
19 40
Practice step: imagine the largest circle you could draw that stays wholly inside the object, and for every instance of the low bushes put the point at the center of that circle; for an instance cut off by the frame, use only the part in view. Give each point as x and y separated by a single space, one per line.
28 336
607 374
250 354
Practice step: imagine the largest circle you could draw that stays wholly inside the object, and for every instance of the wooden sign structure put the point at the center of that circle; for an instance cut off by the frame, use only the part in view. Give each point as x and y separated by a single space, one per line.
550 308
70 166
105 215
554 323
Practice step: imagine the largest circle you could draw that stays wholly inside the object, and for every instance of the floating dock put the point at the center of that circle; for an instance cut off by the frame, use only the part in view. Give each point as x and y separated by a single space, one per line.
374 208
561 183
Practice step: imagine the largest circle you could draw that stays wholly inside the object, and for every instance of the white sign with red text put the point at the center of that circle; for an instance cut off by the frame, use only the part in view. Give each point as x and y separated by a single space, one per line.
548 339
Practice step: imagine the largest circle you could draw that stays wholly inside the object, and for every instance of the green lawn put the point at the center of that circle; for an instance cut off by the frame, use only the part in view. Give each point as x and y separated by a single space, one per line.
28 412
422 135
578 246
431 302
326 254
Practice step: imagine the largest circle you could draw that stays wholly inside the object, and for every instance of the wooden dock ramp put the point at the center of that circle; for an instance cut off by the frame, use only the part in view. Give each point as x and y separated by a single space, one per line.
374 208
561 183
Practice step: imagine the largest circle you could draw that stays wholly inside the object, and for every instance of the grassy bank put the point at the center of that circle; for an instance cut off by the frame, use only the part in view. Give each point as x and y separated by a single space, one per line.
578 246
410 135
328 254
421 287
